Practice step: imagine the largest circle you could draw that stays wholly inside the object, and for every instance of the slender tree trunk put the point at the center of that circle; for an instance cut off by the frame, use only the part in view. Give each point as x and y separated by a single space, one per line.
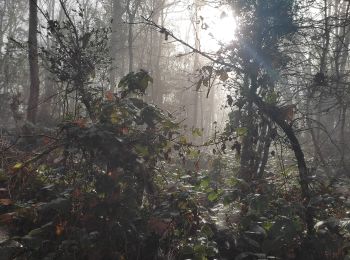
131 13
117 41
196 64
33 62
157 91
131 52
47 104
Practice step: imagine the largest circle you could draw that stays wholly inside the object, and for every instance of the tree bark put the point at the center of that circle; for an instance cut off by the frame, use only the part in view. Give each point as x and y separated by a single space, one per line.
33 62
131 14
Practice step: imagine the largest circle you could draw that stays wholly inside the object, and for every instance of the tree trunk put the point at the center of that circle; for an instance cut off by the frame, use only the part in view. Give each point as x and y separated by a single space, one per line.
131 14
117 41
33 62
274 114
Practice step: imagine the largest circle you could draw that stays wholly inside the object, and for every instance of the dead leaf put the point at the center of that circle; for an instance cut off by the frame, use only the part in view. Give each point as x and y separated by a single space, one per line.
7 218
3 192
60 227
6 202
109 95
158 226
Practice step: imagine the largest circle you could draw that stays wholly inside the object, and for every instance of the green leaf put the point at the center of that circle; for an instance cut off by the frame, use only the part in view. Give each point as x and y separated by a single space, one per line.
193 153
114 117
183 140
206 229
141 150
196 132
271 98
241 131
17 166
204 184
213 196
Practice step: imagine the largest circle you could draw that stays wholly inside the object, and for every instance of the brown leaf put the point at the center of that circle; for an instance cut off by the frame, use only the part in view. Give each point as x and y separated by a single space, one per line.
7 218
3 192
81 122
109 95
125 130
6 202
223 76
60 227
158 226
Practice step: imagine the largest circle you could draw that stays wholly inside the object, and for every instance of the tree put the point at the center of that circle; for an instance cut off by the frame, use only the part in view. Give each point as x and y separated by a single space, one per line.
117 41
33 100
260 60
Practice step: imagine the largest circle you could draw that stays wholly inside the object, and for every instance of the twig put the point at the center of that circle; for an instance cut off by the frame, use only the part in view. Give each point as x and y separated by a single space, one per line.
195 50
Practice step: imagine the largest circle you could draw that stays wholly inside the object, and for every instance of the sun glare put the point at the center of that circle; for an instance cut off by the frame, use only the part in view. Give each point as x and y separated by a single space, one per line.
218 27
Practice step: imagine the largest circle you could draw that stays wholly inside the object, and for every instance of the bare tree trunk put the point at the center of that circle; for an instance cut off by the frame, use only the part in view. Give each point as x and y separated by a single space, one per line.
157 88
131 14
33 62
46 109
117 41
196 28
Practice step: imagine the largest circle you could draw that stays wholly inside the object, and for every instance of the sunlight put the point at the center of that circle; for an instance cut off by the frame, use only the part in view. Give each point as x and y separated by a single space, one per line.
218 27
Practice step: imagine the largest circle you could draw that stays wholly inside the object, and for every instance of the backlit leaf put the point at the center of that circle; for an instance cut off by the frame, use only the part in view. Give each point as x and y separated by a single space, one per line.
241 131
17 166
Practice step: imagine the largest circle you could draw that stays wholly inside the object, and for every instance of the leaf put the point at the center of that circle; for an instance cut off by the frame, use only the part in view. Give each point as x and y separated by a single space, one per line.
135 82
229 100
199 84
206 82
109 95
141 150
3 192
17 166
213 196
223 76
125 130
114 117
204 184
193 153
58 159
241 131
6 202
228 199
81 122
182 140
271 98
158 226
7 218
196 132
150 115
223 15
60 227
206 229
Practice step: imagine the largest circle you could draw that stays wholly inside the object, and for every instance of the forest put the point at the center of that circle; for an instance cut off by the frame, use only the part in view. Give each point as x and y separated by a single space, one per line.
174 129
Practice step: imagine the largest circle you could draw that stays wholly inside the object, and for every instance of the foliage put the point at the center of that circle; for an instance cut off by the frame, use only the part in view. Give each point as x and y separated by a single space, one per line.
118 179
